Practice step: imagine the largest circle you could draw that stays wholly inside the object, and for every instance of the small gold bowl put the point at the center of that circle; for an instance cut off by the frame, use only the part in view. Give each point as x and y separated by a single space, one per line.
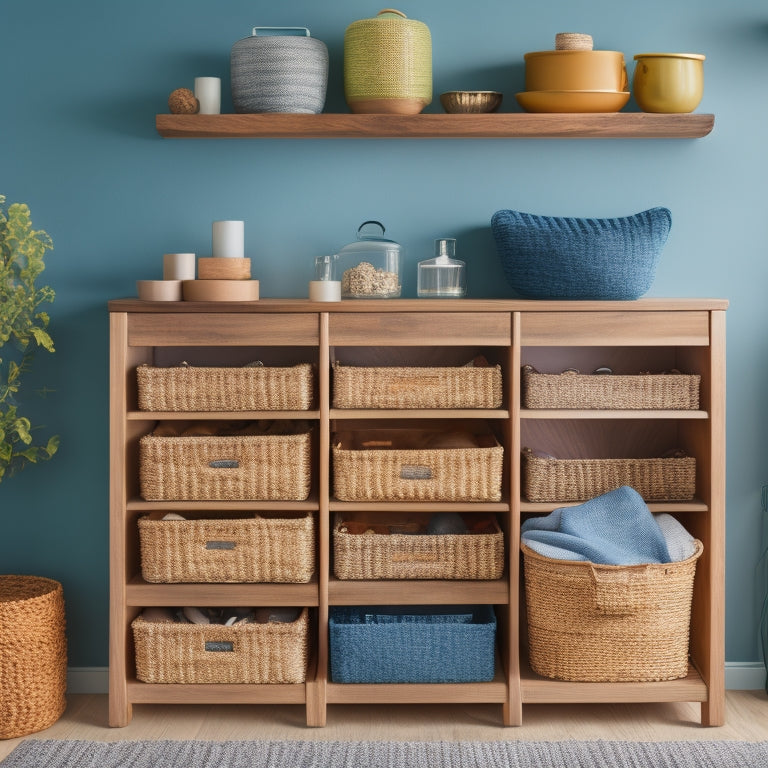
470 101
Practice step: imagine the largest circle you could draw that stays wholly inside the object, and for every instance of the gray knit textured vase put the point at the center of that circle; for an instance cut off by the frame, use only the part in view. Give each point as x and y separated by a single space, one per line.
279 69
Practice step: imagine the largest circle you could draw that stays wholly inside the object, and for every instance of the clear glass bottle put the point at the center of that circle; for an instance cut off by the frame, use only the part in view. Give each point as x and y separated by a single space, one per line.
326 286
325 268
443 277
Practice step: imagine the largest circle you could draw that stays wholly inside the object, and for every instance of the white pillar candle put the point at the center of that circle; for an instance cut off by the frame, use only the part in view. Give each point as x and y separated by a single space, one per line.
229 239
208 93
179 266
324 290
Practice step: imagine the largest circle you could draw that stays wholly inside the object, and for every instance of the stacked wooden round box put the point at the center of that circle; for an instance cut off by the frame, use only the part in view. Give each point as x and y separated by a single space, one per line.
222 279
227 275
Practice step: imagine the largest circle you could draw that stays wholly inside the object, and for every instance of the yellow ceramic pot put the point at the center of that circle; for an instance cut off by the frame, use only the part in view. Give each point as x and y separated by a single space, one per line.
388 64
575 71
668 82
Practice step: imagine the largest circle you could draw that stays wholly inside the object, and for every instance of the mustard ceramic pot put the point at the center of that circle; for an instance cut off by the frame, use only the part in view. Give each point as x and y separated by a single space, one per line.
575 70
668 82
388 64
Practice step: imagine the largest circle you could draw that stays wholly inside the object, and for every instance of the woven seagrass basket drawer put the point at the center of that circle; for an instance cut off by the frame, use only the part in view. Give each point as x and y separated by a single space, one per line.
368 545
668 391
252 463
400 465
172 652
263 547
414 387
412 644
608 623
655 479
247 388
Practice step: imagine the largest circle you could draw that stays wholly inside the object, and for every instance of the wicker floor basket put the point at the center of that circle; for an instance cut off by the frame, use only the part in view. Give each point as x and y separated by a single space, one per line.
639 392
364 548
271 467
249 388
555 480
392 387
260 548
33 655
608 623
170 652
382 465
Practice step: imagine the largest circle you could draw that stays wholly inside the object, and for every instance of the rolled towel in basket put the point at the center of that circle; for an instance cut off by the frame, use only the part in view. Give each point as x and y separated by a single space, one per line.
680 543
616 528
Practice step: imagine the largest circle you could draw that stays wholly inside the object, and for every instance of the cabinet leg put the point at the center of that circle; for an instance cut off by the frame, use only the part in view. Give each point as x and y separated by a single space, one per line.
713 712
512 714
316 704
120 714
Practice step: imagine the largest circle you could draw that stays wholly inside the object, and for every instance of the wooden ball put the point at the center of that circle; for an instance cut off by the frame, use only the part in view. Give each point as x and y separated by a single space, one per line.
183 102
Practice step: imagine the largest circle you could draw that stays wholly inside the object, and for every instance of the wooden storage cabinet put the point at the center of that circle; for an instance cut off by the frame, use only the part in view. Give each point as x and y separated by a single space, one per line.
650 334
630 342
205 338
426 338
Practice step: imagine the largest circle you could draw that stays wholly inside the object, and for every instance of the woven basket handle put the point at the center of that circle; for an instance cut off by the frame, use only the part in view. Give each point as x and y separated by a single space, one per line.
619 591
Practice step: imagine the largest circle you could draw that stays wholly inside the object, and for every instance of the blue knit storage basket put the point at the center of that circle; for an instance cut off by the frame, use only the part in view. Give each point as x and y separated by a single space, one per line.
412 644
553 257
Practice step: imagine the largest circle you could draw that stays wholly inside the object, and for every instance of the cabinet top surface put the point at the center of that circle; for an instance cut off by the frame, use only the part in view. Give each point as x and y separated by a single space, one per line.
416 305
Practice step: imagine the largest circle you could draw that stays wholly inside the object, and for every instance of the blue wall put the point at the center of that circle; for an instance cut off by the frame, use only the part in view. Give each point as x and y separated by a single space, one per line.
82 83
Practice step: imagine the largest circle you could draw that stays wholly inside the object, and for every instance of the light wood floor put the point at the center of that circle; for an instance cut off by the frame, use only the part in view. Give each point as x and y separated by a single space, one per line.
86 718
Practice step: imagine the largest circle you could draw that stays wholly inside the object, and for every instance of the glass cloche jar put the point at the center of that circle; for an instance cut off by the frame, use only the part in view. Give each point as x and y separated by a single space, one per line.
370 267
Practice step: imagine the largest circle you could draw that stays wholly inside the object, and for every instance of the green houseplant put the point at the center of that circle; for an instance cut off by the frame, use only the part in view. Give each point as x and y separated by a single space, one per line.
23 330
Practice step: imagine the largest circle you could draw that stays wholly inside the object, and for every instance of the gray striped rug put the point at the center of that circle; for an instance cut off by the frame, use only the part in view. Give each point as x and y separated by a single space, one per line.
364 754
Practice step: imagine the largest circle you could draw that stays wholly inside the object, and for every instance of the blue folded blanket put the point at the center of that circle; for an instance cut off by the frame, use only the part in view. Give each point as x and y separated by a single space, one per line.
616 528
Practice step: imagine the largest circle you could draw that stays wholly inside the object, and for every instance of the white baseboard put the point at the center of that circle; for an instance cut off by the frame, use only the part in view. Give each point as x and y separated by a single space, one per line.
739 676
744 675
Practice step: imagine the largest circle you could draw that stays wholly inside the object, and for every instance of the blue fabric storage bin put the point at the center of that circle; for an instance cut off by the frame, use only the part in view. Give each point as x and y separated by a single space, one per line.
412 644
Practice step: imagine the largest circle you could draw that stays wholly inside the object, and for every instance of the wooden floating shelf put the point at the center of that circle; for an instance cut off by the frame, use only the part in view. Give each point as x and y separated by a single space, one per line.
613 125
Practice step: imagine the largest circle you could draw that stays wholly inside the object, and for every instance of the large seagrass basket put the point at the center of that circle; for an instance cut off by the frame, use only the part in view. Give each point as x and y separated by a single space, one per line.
246 388
263 547
655 479
173 652
608 623
385 465
416 387
667 391
258 466
33 654
366 548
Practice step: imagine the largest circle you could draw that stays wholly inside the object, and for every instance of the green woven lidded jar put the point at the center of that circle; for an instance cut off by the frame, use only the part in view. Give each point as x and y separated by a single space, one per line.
388 64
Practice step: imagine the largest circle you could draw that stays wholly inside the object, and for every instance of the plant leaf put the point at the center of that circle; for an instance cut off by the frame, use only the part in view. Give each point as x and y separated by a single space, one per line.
21 427
52 446
42 338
